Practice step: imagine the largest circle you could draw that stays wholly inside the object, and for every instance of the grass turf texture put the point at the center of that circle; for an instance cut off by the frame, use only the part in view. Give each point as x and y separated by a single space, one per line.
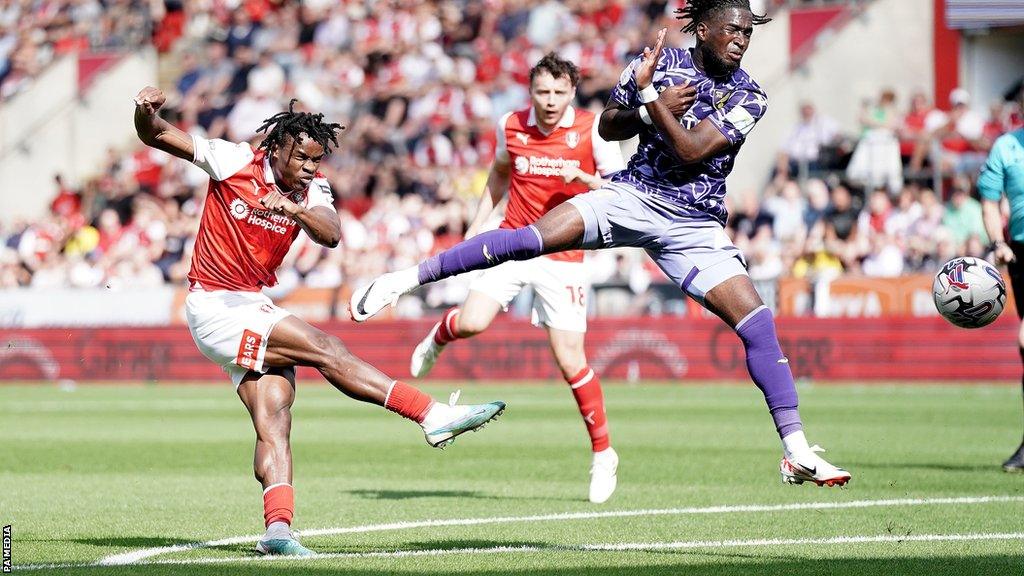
103 470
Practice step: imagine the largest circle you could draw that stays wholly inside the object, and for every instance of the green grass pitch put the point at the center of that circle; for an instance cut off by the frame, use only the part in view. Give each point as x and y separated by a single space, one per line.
105 470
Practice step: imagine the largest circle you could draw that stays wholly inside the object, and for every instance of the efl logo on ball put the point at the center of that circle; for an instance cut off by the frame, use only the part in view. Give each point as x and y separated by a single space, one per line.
969 292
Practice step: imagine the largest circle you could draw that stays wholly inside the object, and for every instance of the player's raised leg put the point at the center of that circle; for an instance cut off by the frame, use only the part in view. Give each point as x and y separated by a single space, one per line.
268 398
294 342
560 229
585 384
735 301
472 318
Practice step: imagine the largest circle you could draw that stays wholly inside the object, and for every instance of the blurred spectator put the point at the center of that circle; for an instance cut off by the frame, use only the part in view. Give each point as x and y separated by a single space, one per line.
876 159
802 150
840 230
963 214
912 128
953 141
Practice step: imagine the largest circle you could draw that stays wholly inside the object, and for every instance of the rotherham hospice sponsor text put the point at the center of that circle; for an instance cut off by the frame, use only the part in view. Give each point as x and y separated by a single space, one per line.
543 166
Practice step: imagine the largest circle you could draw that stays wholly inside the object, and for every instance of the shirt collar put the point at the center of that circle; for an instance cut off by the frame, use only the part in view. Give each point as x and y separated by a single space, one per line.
268 172
568 118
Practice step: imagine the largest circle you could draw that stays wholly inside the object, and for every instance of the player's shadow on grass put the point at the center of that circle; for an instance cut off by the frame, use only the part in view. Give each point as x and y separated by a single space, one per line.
993 467
414 494
131 542
442 545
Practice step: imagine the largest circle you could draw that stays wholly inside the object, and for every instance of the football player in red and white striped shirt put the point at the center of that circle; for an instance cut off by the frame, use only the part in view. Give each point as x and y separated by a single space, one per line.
544 155
258 201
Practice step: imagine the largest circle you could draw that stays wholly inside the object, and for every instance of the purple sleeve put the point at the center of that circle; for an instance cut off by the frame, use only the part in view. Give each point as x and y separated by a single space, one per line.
625 92
740 112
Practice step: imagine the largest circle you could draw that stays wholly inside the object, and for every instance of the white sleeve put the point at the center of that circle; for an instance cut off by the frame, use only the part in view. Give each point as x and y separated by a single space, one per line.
219 158
319 194
607 155
501 145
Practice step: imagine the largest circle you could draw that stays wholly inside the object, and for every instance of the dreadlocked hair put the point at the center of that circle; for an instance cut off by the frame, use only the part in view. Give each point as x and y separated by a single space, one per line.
697 11
294 124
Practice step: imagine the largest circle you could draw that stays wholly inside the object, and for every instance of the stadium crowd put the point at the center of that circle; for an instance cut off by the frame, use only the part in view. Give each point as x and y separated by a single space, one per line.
35 32
419 86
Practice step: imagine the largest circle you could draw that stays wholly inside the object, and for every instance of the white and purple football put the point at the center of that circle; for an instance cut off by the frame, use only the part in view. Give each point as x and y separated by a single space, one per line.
969 292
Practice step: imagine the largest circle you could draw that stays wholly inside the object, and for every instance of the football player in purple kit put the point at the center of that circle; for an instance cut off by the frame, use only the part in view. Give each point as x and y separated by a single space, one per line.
670 201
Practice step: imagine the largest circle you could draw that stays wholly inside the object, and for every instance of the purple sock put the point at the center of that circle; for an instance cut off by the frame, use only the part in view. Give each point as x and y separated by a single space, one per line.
770 369
482 251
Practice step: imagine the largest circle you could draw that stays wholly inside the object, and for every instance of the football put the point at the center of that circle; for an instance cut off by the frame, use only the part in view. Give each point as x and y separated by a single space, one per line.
969 292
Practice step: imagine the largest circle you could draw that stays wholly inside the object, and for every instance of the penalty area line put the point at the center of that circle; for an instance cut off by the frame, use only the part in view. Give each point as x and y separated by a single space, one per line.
141 555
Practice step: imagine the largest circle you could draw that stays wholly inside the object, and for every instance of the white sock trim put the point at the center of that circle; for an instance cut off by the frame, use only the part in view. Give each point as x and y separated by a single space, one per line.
272 486
388 395
448 323
583 382
539 237
749 316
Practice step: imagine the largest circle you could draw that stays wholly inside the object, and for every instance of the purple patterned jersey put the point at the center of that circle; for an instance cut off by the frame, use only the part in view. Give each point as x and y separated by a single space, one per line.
733 105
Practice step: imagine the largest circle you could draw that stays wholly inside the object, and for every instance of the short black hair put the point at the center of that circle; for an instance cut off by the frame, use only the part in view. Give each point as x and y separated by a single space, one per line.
697 11
294 124
557 67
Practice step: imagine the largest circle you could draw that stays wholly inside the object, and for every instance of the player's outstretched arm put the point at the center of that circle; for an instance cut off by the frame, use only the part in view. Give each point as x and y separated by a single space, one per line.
156 132
495 189
691 146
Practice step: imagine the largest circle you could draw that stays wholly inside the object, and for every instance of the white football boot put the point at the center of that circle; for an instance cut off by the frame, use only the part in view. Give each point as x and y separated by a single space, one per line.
603 477
425 355
381 293
810 467
443 423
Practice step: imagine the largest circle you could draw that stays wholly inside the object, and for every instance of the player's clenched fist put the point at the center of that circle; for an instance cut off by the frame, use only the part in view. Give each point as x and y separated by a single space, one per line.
276 202
150 99
679 98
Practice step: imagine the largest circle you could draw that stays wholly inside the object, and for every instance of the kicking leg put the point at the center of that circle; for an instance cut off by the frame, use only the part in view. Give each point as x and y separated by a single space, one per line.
738 304
475 315
568 349
560 229
268 398
293 342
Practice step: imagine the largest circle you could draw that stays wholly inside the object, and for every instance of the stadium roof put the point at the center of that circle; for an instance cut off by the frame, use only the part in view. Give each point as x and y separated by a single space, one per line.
967 14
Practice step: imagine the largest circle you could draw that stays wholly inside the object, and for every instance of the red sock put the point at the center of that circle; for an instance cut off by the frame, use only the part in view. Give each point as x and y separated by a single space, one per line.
586 388
447 331
278 504
408 401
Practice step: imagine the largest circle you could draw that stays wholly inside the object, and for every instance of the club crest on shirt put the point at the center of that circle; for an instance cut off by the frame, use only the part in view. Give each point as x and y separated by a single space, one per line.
720 97
239 209
572 138
298 197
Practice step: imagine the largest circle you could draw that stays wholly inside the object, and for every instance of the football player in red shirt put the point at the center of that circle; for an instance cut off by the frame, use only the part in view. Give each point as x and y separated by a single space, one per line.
258 201
544 155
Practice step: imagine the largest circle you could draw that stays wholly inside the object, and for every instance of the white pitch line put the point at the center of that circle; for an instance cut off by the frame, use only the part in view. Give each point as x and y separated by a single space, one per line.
620 547
139 555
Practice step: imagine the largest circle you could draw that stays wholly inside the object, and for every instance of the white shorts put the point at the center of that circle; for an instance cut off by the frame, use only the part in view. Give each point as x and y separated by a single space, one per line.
696 254
232 328
560 289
